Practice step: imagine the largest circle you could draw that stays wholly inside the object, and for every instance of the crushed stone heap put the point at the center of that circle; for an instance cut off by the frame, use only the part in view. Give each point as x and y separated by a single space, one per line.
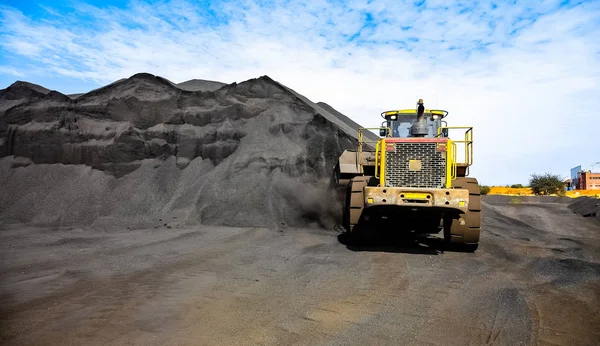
142 150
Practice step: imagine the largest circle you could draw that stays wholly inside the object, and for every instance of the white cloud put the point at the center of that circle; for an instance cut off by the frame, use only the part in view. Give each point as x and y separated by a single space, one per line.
11 71
526 77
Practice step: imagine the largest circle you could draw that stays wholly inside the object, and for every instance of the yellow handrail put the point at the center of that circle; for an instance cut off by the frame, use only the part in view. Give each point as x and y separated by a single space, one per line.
468 141
377 146
451 169
454 159
361 141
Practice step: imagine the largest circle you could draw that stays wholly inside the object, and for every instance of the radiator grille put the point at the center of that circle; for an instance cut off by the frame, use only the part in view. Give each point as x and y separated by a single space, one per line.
433 166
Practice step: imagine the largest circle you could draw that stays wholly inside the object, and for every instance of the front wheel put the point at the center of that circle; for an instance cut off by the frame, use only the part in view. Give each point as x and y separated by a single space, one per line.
354 202
463 233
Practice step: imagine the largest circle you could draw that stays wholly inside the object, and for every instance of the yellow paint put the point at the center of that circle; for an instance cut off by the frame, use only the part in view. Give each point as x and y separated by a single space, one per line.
370 200
377 147
382 164
414 111
416 195
450 164
461 204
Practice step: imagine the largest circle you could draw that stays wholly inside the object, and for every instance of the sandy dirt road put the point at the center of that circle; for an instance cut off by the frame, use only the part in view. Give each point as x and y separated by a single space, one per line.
534 280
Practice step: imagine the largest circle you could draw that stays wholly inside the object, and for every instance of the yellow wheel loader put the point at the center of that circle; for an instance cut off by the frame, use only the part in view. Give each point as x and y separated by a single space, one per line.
414 177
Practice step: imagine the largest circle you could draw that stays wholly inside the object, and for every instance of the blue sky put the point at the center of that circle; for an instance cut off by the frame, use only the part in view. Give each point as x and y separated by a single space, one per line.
524 73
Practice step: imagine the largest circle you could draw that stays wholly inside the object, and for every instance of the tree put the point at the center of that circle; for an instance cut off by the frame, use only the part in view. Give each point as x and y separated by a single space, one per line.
484 190
547 184
516 186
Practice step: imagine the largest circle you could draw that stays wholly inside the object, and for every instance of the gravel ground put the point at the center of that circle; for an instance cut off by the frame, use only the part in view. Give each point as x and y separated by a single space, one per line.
534 280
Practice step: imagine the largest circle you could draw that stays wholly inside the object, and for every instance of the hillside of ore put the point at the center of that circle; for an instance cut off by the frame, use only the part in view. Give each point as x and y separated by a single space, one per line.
144 151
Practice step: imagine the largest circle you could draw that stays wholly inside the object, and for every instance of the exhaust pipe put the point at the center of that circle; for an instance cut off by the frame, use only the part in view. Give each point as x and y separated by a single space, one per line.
419 128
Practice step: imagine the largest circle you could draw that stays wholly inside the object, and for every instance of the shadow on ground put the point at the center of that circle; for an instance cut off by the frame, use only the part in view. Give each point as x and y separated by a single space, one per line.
379 242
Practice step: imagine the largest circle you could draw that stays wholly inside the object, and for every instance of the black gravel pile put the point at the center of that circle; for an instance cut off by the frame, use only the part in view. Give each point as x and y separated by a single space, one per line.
141 151
586 206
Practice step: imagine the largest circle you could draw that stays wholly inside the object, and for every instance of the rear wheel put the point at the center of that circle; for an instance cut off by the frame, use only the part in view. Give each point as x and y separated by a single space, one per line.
464 232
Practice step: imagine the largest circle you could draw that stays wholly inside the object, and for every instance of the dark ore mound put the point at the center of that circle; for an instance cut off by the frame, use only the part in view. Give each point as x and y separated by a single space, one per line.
142 151
586 206
200 85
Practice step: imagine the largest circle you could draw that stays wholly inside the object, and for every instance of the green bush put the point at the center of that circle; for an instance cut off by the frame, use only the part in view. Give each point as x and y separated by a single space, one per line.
484 190
547 184
517 186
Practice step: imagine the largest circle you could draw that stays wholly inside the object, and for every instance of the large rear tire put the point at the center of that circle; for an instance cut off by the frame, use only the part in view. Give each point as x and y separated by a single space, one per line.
463 233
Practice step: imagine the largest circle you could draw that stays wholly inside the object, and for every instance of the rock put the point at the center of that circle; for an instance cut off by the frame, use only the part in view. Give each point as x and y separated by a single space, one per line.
182 162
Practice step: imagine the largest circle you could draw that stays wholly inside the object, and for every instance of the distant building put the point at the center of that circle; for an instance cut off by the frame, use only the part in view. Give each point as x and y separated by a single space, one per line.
584 179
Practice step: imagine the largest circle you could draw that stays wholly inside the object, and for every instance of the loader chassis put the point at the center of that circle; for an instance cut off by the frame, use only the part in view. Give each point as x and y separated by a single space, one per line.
417 184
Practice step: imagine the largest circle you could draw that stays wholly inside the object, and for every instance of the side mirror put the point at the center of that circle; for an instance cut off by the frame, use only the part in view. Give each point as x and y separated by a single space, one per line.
445 133
383 132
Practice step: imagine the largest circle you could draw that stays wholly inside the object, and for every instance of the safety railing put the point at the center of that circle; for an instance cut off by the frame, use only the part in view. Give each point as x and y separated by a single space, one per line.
454 161
361 142
467 142
451 168
377 148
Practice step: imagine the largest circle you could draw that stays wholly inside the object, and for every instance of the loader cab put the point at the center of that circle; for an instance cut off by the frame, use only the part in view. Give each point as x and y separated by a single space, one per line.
397 124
